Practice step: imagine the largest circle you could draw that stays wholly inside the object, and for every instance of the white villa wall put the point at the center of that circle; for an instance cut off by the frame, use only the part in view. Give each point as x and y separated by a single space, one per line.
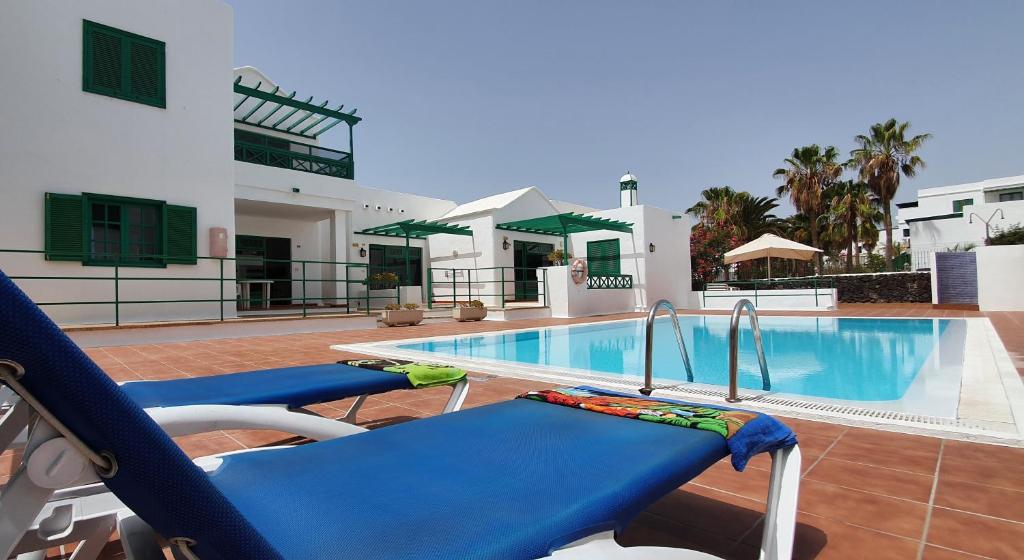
305 245
569 299
1000 276
938 235
58 138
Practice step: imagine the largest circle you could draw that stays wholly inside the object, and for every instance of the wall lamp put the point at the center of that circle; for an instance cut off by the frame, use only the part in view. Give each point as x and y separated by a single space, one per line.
362 251
505 244
651 247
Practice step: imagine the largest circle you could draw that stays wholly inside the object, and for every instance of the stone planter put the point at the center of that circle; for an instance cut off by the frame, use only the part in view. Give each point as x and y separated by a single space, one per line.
401 317
469 313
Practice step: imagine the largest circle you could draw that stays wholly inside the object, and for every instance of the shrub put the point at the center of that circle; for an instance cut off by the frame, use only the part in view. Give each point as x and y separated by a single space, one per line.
392 307
473 303
1013 235
411 306
383 280
555 257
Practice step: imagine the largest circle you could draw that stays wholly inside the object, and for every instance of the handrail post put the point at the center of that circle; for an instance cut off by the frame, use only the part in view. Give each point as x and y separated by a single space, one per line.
649 345
815 292
430 288
734 327
117 292
304 288
220 299
502 271
453 289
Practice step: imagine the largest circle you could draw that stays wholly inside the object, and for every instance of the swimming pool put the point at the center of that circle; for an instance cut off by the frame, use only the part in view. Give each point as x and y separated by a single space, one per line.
857 360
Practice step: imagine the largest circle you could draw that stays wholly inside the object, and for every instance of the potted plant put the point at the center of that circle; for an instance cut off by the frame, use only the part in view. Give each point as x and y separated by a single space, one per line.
557 257
398 315
383 281
470 311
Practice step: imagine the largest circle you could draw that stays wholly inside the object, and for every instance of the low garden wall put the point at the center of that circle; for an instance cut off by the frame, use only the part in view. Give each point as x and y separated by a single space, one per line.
885 287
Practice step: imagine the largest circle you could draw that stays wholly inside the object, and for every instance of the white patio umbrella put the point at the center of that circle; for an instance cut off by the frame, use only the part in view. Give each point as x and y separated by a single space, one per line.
769 245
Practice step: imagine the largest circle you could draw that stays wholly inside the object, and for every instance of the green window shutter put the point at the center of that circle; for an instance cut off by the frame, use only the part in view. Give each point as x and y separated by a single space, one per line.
181 239
146 69
64 227
102 71
603 257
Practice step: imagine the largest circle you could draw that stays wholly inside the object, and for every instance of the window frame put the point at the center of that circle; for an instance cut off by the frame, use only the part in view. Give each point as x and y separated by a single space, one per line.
125 91
616 262
958 205
415 263
123 258
1012 196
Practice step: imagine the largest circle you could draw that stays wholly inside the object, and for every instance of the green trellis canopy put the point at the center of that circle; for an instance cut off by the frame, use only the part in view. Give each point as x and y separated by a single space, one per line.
564 224
284 113
416 230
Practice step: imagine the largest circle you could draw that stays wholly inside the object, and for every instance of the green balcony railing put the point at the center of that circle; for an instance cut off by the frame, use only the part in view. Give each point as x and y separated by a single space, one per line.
447 287
298 156
610 282
119 276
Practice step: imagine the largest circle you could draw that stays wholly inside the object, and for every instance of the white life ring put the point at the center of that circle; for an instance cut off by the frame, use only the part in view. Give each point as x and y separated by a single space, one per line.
578 271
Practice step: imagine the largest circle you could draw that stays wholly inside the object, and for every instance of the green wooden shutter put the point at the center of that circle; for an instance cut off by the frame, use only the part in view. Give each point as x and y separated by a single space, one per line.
181 239
64 238
146 71
603 257
102 71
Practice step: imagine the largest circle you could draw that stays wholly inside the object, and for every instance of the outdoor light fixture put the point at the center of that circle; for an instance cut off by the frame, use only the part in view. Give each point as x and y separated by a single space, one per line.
650 247
362 251
505 244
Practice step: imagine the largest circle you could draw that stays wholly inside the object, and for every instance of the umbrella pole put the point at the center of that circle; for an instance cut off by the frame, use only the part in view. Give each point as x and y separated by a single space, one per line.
769 267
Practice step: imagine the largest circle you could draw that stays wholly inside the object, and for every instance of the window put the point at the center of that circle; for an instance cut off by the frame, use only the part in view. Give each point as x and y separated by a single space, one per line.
958 205
103 230
391 258
1011 196
603 257
123 65
906 232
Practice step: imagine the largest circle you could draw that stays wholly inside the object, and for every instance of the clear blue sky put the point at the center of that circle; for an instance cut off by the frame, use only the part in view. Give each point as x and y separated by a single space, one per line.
462 99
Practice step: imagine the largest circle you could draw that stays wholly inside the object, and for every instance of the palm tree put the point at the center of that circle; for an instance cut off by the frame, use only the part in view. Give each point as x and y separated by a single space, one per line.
850 202
867 230
810 170
883 156
746 215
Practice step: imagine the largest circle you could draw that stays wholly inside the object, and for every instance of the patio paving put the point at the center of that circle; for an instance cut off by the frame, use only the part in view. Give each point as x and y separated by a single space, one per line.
864 493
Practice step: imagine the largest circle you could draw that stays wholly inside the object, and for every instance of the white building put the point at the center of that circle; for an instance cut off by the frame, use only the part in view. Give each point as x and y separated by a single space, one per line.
958 215
117 185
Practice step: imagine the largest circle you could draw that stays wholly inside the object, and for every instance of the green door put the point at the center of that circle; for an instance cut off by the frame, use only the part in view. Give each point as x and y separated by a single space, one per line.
528 256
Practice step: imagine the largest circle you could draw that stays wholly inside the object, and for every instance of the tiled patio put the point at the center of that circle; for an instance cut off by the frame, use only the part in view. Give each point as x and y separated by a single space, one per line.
864 493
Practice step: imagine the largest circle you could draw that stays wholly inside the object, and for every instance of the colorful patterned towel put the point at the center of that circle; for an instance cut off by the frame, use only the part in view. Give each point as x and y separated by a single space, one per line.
420 374
746 433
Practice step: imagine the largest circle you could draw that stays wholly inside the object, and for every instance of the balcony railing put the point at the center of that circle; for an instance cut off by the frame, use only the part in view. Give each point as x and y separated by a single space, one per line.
610 282
276 152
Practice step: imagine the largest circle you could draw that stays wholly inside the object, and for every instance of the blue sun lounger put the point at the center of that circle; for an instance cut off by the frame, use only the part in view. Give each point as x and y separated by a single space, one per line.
518 479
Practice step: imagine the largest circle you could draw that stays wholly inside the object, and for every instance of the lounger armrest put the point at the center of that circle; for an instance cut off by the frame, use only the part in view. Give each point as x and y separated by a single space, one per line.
194 419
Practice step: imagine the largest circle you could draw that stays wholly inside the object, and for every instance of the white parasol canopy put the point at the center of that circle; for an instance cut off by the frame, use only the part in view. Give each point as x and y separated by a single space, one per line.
770 245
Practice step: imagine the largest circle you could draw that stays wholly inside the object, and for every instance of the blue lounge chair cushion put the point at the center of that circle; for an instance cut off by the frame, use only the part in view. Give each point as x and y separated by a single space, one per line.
517 479
294 386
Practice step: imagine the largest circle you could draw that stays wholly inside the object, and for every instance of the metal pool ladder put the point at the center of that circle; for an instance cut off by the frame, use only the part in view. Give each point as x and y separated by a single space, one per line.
734 343
649 345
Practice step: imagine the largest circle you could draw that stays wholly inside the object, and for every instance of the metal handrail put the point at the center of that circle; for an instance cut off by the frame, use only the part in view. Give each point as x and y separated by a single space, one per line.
649 345
734 348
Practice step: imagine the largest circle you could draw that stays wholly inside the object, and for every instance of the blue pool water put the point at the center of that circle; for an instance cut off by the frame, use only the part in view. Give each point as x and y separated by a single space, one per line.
838 358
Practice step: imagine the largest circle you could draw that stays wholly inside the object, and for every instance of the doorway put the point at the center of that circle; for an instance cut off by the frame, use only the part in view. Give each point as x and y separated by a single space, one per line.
265 258
528 256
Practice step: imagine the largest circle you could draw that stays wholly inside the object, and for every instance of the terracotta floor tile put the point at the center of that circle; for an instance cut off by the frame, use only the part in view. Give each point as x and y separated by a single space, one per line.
861 450
751 483
652 530
983 452
976 534
978 498
210 446
724 515
1003 475
825 539
872 511
932 552
898 484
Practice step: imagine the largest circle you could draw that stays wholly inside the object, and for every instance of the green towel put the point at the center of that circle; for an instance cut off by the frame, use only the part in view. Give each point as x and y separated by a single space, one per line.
421 374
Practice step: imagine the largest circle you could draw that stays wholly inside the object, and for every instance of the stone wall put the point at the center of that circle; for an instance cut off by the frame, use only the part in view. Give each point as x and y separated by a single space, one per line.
892 287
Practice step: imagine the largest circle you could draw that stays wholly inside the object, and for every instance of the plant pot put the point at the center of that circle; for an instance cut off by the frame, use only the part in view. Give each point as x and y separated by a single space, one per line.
469 313
400 317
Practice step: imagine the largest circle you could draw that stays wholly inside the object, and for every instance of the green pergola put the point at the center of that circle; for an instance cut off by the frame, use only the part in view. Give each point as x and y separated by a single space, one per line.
412 229
564 224
275 110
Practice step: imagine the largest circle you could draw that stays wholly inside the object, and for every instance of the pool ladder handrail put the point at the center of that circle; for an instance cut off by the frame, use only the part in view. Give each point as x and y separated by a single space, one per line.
734 343
649 345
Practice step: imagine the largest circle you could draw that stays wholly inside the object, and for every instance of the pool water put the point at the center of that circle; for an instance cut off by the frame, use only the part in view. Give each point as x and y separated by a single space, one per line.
852 359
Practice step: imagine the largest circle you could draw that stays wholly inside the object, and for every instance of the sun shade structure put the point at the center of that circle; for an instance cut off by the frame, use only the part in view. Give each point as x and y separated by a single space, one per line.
564 224
282 112
411 229
768 246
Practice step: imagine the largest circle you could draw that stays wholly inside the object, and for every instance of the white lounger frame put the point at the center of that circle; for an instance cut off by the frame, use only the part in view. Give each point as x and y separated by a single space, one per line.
34 517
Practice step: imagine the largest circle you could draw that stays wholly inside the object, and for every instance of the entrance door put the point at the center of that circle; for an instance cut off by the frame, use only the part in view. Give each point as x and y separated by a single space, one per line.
528 256
265 258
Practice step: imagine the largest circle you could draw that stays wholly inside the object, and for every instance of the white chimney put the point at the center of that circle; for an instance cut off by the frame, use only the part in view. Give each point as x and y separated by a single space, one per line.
627 190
